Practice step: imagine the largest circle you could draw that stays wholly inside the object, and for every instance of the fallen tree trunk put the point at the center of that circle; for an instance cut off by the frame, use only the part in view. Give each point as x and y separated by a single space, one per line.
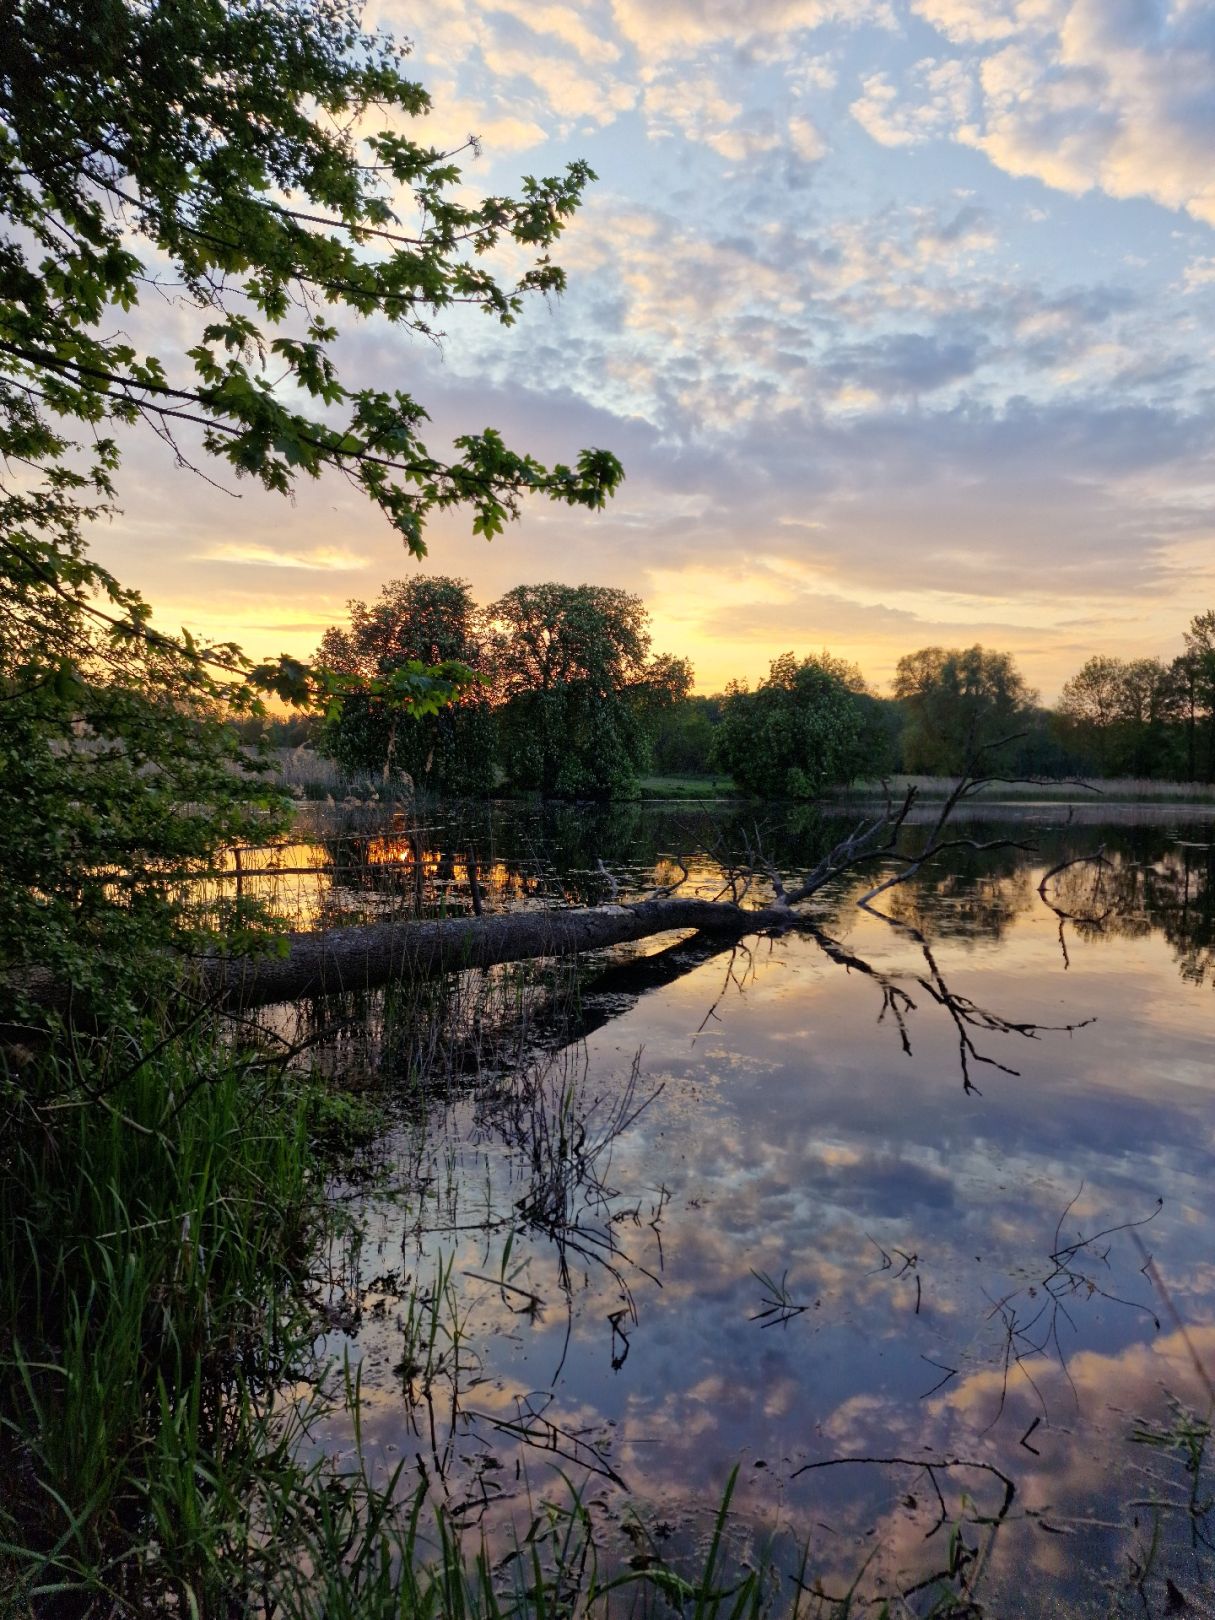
373 954
377 953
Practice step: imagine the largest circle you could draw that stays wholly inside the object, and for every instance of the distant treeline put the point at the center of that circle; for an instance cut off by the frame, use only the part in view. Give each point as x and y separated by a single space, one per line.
574 704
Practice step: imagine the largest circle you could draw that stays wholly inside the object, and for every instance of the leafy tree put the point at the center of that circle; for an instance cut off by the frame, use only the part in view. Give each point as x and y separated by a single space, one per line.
1117 715
683 742
1195 675
295 729
118 771
255 158
957 700
881 731
424 621
1042 749
577 688
801 732
255 147
1089 707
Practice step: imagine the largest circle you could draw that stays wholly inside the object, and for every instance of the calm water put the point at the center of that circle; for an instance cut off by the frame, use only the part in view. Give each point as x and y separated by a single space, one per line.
708 1210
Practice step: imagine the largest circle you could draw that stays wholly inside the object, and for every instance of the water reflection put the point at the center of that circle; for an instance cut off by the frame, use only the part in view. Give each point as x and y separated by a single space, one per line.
1130 893
352 865
681 1208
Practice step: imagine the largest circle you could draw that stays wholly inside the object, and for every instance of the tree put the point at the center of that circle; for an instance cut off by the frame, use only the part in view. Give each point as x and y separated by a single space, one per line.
577 688
250 163
1197 677
801 732
683 737
1117 715
424 621
119 771
958 700
210 135
1089 702
253 159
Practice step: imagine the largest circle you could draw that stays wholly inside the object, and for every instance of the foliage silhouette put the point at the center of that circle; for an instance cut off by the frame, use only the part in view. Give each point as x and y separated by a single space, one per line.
577 688
802 731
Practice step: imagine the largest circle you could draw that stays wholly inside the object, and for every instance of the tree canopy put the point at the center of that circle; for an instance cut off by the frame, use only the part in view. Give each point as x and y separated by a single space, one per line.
577 686
958 700
801 732
1116 714
250 154
1194 673
425 621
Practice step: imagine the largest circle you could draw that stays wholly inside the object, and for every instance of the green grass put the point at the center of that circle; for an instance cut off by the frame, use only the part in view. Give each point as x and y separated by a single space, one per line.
688 787
160 1199
155 1213
1113 790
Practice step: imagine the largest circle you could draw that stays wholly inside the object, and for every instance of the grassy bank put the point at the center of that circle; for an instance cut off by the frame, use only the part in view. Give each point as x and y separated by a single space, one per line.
308 775
1111 790
161 1200
161 1207
155 1217
688 787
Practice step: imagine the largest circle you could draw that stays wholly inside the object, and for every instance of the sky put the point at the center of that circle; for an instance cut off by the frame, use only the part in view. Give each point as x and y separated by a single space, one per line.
899 314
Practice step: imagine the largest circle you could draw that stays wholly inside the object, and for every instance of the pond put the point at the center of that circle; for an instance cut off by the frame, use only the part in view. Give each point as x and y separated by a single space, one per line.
910 1222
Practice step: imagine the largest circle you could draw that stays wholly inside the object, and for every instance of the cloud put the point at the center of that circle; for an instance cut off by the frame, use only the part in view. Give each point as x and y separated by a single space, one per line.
814 73
1198 273
681 27
940 101
566 89
808 619
969 231
454 117
474 61
900 364
254 554
927 405
889 307
807 141
1117 95
693 106
564 24
980 22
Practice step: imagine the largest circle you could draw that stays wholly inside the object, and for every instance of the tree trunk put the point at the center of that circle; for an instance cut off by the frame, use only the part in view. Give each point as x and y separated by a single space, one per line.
373 954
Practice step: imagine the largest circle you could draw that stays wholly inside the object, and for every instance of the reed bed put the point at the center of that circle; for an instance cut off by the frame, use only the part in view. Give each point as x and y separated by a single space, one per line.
307 774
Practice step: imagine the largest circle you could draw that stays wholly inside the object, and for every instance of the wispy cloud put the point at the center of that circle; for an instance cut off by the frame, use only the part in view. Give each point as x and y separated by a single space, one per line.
255 554
937 102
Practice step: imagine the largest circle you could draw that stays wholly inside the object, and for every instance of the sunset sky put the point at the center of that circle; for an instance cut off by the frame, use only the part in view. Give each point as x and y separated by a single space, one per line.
899 314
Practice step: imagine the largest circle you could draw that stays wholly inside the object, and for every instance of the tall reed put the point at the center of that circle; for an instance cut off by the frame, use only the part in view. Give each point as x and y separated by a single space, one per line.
155 1212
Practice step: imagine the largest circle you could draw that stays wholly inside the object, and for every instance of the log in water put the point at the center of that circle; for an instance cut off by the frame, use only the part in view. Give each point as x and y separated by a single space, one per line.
372 954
